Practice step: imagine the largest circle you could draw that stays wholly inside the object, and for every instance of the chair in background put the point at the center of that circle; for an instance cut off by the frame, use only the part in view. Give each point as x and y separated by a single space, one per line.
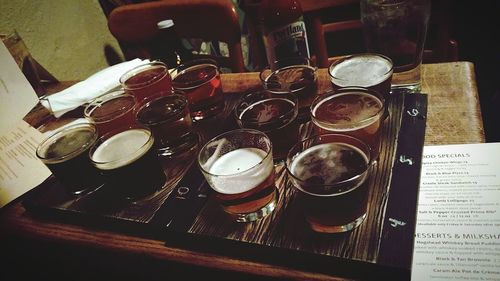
134 26
336 30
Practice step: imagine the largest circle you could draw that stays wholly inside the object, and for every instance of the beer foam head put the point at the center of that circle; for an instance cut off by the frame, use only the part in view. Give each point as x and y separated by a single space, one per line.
122 149
362 71
240 170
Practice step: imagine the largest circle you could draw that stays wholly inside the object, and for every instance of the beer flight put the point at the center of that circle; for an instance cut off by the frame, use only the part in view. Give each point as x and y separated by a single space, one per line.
153 115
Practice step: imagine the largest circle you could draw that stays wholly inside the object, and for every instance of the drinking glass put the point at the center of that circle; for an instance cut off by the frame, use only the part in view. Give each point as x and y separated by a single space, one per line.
295 75
397 29
111 111
238 165
373 71
273 114
129 163
65 153
331 173
146 80
200 81
354 111
167 116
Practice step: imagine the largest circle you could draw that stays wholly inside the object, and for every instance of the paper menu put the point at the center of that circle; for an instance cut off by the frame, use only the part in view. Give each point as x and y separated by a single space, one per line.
20 170
457 235
17 97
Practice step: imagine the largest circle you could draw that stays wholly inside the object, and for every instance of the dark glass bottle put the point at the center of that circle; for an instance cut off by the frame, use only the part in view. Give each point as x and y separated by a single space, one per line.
168 47
283 30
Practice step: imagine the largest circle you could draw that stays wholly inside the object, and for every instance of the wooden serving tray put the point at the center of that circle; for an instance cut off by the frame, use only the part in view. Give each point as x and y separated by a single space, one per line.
185 214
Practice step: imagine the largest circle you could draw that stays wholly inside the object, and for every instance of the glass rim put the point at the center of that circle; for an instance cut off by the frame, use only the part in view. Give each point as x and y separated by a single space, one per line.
57 135
189 85
175 112
139 69
281 69
276 95
343 91
220 136
290 157
125 159
99 101
386 75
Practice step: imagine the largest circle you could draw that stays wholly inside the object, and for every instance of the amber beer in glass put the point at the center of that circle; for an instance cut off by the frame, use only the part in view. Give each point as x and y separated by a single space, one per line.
331 173
129 163
371 71
353 111
65 153
273 114
111 111
199 80
146 80
238 165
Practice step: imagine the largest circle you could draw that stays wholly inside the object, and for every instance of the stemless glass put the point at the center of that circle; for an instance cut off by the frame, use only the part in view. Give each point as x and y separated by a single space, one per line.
354 111
238 165
111 111
146 80
168 118
65 153
200 81
398 30
295 75
129 163
373 71
273 114
331 173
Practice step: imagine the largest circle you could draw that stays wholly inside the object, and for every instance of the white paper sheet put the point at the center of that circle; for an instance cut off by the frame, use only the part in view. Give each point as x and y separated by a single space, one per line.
20 169
17 97
458 223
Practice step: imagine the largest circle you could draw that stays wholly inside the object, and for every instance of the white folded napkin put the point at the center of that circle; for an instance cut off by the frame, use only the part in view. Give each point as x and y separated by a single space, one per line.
92 87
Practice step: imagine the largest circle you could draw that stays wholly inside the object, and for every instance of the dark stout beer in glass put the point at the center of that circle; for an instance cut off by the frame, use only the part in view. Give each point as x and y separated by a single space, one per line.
65 153
331 174
129 163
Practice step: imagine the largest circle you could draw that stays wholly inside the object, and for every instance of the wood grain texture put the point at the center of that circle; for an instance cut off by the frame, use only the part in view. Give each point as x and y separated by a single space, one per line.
453 117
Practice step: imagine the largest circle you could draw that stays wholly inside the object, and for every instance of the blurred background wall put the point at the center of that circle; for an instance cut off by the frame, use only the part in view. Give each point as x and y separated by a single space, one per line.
67 37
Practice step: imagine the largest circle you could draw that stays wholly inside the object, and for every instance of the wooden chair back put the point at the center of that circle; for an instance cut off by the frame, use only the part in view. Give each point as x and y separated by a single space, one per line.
209 20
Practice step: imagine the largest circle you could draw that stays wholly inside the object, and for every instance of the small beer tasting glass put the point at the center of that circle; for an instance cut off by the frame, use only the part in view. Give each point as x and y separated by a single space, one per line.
65 153
354 111
128 161
200 81
111 111
168 118
146 80
373 71
273 114
296 75
331 173
238 165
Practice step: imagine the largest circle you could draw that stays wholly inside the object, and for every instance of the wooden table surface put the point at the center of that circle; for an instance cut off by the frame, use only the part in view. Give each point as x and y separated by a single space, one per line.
454 116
